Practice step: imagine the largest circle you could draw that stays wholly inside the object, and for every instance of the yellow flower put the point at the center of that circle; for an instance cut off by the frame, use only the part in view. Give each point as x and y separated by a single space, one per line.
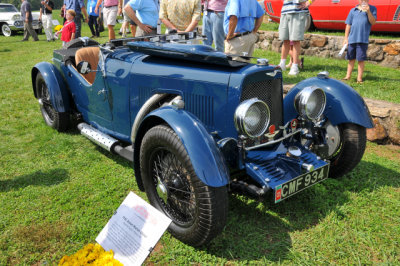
90 254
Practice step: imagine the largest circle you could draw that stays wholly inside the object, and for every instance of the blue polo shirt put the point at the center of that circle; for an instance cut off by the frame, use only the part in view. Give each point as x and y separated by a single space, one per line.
360 26
146 11
246 11
75 5
91 5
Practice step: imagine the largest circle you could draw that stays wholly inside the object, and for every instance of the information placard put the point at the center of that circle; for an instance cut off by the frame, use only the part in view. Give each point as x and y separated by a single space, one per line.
133 230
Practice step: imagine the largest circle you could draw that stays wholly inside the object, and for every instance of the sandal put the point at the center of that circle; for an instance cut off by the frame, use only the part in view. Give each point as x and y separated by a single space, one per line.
344 79
360 82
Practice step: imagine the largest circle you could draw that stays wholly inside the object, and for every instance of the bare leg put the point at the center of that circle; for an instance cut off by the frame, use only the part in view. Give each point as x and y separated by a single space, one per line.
133 30
360 70
350 67
285 49
111 33
291 57
123 28
296 52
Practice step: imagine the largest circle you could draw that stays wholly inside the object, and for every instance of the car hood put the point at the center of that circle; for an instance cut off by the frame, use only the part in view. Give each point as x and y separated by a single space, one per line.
35 15
8 15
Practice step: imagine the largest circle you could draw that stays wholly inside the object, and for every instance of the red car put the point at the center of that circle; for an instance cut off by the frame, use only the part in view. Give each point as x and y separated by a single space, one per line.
332 14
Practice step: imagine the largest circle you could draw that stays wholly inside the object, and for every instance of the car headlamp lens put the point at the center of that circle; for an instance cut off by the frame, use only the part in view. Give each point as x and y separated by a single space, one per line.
252 118
310 102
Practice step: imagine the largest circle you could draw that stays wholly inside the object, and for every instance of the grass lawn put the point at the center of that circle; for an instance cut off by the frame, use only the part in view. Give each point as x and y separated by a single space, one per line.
57 191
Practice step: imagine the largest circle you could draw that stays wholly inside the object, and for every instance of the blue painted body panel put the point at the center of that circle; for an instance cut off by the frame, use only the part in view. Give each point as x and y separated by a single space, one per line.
58 92
205 157
344 104
273 168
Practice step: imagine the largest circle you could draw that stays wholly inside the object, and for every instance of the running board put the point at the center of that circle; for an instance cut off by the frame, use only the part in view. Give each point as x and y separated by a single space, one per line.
105 141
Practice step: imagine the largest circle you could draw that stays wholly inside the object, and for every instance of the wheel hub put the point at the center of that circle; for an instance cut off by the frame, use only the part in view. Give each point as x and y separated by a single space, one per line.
332 138
162 190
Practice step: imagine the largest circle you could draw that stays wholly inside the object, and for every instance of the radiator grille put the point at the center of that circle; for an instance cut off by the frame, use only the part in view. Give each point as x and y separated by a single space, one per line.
269 91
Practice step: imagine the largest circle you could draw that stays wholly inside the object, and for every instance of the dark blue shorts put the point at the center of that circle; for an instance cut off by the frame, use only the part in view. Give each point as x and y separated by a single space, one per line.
357 51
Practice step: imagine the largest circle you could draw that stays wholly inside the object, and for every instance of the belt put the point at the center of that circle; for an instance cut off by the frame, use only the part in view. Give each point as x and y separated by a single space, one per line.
209 10
110 6
241 34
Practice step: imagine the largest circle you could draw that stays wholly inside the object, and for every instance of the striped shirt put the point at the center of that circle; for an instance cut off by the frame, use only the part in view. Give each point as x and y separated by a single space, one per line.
289 6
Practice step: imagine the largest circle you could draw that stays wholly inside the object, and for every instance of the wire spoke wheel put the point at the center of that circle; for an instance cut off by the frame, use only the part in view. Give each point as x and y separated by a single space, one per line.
171 180
198 211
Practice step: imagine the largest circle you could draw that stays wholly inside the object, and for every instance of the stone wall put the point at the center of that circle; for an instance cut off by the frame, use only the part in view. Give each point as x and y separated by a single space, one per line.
380 51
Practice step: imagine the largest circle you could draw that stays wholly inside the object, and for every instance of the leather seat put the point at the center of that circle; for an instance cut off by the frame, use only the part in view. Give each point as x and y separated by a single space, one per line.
91 55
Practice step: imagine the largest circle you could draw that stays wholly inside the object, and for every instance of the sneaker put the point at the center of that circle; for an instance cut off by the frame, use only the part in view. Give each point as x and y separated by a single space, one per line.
294 71
283 67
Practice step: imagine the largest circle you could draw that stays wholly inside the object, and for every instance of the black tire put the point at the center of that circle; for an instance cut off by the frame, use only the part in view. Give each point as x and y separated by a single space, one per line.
353 139
198 212
54 119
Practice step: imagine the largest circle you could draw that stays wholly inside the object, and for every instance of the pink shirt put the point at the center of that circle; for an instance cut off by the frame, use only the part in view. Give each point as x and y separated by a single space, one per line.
215 5
110 3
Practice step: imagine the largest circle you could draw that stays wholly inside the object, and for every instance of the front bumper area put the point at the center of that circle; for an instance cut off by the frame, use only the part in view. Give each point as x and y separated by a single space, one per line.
276 169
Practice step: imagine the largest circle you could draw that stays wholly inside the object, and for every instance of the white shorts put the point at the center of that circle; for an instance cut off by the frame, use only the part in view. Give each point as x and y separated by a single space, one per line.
110 15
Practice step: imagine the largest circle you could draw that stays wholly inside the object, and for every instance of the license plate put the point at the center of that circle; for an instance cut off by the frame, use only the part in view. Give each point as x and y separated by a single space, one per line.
285 190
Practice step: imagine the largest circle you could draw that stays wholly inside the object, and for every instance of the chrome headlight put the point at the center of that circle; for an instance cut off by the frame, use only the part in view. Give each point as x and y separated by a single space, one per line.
310 102
16 17
252 117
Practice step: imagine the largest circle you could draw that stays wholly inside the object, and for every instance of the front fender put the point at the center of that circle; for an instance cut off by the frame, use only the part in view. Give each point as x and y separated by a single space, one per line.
205 157
59 96
343 103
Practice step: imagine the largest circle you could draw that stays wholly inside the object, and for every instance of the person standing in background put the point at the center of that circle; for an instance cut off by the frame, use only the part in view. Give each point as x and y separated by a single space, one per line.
180 15
213 23
26 14
111 9
63 13
128 22
46 10
291 28
145 15
79 7
358 27
94 27
242 20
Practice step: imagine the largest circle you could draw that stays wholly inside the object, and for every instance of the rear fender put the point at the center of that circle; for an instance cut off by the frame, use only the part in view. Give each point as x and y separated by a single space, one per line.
343 103
205 157
59 95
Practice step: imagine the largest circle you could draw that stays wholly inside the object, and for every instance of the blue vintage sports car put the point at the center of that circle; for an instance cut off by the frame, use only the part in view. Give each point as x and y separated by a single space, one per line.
198 123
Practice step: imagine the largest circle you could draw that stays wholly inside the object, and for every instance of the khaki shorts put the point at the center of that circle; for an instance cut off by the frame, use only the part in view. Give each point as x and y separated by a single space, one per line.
110 15
240 45
292 26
